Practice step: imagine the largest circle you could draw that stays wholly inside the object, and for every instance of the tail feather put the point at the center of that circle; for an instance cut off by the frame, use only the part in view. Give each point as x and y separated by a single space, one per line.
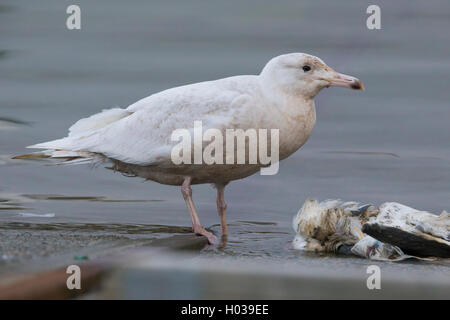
97 121
34 155
68 149
64 157
59 144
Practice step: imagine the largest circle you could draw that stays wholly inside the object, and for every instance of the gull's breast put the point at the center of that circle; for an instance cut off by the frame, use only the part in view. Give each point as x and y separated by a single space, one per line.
297 126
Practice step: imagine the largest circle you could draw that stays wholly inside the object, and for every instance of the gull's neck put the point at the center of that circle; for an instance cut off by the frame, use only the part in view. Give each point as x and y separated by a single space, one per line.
285 98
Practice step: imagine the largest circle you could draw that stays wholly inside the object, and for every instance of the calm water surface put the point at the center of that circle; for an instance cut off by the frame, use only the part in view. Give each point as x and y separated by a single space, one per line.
389 143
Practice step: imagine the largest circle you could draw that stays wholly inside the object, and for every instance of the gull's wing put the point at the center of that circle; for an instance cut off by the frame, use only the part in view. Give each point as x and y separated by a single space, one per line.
141 134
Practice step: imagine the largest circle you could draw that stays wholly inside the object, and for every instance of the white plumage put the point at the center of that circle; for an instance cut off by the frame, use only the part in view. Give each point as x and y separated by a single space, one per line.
137 140
140 134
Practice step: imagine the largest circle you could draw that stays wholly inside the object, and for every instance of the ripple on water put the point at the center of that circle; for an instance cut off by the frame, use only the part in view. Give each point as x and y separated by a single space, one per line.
10 123
13 201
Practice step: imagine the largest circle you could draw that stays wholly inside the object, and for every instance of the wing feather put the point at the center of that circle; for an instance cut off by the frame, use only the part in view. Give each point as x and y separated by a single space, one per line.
143 136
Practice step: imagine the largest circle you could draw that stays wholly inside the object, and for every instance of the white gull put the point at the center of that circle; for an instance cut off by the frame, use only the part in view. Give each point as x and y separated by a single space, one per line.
137 140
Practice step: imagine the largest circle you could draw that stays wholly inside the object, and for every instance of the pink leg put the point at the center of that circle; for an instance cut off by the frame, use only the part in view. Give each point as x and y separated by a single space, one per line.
196 225
221 208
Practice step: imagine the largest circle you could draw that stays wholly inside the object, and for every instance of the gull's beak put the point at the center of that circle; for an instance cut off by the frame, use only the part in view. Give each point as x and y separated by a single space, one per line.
343 80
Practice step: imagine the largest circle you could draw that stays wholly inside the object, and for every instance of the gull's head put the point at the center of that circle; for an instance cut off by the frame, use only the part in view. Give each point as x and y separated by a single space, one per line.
304 74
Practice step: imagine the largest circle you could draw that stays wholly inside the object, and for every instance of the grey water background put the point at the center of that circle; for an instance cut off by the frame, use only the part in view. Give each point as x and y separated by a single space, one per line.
388 143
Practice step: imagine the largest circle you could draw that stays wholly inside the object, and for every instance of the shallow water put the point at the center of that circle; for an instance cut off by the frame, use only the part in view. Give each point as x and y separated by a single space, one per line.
389 143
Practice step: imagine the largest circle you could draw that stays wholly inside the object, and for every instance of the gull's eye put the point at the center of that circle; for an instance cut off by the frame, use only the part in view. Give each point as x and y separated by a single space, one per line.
306 68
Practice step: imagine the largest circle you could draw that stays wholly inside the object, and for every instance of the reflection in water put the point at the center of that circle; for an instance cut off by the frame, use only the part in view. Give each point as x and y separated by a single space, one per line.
11 201
10 206
80 198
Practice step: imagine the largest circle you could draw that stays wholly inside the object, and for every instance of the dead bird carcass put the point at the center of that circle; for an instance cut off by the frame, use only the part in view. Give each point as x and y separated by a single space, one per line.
391 231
